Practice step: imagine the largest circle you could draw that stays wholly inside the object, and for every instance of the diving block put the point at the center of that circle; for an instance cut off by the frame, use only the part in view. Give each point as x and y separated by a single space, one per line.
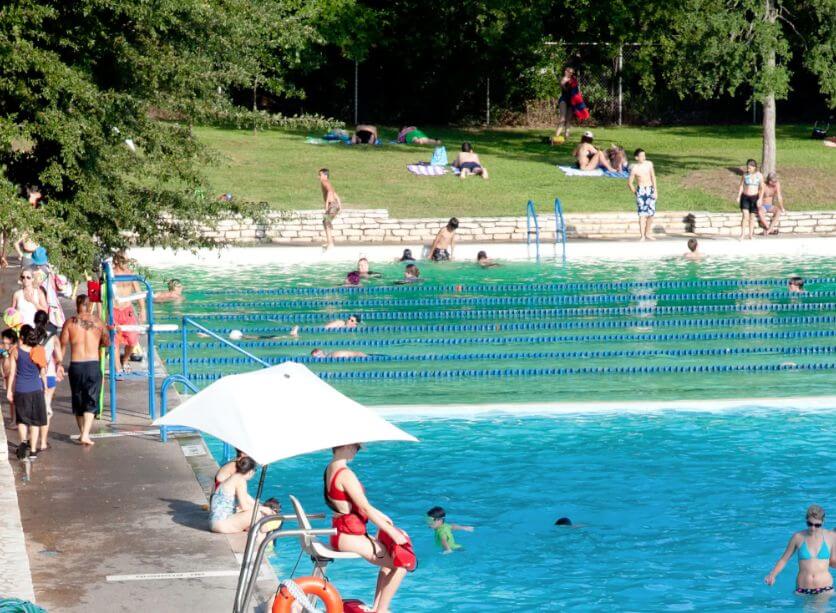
142 328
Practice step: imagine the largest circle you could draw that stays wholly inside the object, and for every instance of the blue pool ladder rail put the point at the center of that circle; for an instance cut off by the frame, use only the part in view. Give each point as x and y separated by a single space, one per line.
559 228
531 219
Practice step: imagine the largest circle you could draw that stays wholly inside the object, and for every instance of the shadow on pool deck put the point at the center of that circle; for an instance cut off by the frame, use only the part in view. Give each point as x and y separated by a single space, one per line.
130 505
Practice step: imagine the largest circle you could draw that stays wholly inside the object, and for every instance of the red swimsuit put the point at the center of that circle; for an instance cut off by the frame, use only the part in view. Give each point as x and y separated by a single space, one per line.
353 522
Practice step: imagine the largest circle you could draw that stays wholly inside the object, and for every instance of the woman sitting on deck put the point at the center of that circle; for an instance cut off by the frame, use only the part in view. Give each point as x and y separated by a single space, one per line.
231 508
352 511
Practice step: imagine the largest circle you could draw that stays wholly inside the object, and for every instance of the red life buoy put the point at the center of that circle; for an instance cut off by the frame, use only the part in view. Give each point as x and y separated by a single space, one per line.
313 586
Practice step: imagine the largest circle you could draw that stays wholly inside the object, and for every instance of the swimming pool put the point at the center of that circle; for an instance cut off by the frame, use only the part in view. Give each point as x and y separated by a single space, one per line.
524 332
676 510
680 511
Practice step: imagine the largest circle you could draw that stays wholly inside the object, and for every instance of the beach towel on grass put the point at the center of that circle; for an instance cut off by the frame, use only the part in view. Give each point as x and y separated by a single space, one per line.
426 170
572 171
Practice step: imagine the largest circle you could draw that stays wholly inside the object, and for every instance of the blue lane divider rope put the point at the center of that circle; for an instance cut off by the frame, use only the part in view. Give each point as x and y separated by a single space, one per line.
539 372
516 300
520 355
520 313
549 325
511 287
533 340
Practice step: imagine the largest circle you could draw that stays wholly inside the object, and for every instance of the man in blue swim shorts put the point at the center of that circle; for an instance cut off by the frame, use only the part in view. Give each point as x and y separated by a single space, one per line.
642 182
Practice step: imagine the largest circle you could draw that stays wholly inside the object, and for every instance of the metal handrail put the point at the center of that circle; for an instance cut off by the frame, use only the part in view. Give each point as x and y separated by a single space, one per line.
246 578
167 382
110 279
531 214
559 226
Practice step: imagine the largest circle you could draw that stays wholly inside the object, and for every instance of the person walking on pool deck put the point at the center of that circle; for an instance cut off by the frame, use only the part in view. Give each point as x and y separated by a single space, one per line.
352 511
85 334
124 314
750 197
643 173
29 299
814 546
442 247
332 204
26 385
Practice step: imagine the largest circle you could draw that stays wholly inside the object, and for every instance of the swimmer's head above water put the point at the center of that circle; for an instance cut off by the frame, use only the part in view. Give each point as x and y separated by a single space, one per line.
796 284
563 521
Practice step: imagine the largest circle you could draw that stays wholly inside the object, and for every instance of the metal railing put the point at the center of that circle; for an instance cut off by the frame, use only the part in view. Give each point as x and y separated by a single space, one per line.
531 220
559 228
110 279
183 377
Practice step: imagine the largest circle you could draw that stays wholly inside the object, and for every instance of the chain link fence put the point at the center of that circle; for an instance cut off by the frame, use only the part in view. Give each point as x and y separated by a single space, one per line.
609 78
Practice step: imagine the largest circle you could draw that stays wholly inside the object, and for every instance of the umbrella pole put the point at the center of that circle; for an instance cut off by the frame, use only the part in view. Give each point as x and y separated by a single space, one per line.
243 577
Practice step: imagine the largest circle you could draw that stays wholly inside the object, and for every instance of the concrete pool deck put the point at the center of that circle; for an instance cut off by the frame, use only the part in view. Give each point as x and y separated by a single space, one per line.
576 250
121 526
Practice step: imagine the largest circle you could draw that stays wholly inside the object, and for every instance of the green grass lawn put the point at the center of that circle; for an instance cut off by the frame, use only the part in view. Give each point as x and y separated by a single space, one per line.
696 170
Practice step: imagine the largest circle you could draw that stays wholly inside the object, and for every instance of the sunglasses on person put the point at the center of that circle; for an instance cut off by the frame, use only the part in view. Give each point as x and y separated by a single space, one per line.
25 277
813 525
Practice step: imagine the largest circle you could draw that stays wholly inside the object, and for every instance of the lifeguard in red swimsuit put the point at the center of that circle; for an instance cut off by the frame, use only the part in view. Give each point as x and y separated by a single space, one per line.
352 511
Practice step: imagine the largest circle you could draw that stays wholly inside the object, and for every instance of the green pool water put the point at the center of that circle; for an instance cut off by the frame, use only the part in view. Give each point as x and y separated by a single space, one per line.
800 332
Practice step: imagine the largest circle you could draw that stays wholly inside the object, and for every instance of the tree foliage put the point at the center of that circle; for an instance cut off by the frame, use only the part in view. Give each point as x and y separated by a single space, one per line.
79 78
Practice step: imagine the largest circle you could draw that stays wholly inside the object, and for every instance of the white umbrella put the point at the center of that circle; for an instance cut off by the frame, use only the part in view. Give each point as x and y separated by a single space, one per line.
280 412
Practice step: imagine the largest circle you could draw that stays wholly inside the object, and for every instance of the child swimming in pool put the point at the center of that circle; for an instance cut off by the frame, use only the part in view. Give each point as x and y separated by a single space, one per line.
443 530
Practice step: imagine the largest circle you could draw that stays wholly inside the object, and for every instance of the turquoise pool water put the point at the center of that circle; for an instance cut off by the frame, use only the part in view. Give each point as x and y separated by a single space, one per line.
594 334
680 511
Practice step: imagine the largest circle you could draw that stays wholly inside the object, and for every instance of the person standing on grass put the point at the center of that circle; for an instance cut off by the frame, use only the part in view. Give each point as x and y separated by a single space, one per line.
332 205
85 334
642 182
750 197
26 385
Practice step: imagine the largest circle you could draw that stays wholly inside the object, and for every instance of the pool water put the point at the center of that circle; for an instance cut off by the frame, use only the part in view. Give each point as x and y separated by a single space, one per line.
595 334
675 511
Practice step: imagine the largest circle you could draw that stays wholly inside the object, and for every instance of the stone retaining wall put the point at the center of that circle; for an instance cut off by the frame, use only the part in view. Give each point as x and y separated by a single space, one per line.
375 226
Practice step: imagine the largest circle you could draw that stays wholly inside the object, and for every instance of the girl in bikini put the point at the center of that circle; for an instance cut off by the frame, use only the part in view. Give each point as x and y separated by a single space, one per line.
352 511
750 197
814 546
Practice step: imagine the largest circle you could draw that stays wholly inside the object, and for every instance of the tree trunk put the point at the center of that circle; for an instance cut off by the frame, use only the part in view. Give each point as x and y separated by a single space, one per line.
255 107
768 101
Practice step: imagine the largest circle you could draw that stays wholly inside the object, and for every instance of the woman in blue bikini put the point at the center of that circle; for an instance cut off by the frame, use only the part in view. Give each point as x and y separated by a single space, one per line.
814 546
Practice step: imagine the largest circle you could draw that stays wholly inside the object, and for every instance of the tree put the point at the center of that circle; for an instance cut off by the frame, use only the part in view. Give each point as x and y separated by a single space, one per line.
81 85
717 46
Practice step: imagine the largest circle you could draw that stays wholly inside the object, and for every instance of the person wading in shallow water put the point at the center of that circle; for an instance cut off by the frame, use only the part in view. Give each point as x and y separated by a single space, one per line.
84 334
814 546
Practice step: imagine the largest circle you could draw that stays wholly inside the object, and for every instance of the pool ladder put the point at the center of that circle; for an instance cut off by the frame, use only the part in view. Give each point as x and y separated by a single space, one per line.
533 229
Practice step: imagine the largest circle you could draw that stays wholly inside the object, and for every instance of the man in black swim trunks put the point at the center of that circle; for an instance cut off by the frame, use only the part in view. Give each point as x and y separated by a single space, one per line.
442 247
85 334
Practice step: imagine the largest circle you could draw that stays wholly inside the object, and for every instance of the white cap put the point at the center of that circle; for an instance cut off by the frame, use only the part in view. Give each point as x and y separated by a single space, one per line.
236 335
588 134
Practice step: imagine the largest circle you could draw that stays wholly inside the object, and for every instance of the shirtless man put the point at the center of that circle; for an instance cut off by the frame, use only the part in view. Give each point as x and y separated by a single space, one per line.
340 353
772 202
174 293
693 252
349 323
442 247
85 334
589 156
331 203
469 163
642 172
124 314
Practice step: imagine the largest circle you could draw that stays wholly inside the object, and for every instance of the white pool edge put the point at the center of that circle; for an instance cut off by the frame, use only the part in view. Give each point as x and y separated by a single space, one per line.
278 255
794 403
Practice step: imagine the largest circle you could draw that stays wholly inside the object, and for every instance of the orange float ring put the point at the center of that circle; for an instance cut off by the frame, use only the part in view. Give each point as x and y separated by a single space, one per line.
314 586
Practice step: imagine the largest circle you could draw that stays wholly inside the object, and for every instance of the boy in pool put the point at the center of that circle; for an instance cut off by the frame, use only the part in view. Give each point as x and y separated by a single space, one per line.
693 252
443 530
442 247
